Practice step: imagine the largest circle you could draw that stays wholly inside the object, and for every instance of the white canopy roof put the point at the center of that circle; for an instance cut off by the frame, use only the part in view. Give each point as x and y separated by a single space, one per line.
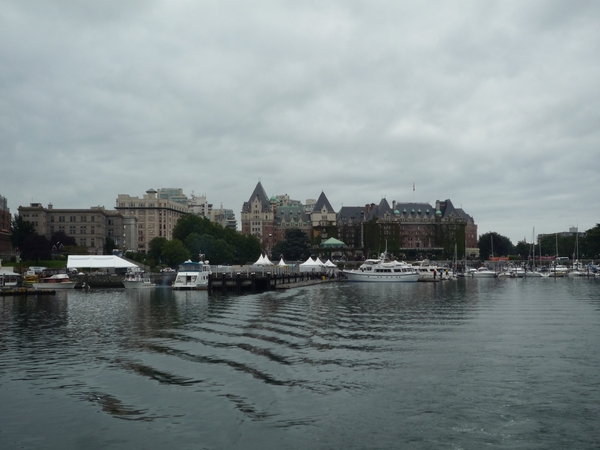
329 264
319 262
98 262
282 263
263 261
309 262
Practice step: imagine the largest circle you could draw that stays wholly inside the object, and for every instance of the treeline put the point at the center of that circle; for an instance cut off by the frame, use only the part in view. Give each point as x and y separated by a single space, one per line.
587 247
195 237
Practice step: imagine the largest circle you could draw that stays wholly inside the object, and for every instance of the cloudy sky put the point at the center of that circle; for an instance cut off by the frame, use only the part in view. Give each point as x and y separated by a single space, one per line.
492 104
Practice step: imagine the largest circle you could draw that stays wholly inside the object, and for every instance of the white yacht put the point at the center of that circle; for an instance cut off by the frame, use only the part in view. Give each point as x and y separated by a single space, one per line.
192 275
558 271
54 279
431 272
513 272
136 280
383 270
484 272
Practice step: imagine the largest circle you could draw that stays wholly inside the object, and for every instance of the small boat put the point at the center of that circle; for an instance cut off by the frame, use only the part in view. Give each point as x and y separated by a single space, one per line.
54 279
192 275
382 270
8 277
432 272
484 272
513 272
558 270
135 280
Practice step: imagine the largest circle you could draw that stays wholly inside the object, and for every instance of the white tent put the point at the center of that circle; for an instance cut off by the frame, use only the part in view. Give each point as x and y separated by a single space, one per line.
98 262
330 264
310 266
263 261
282 263
319 262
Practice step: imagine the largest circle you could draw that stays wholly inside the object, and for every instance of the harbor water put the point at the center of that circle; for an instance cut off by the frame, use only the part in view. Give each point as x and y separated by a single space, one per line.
462 364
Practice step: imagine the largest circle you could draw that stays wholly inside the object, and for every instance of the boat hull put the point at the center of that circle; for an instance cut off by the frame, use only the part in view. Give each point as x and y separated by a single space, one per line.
137 284
484 275
64 285
354 275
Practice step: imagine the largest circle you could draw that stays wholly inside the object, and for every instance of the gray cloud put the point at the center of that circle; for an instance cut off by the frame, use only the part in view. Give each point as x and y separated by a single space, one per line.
494 105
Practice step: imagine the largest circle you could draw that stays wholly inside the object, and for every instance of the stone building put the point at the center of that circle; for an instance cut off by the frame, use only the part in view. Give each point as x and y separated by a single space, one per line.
409 229
157 213
89 227
224 217
258 217
5 227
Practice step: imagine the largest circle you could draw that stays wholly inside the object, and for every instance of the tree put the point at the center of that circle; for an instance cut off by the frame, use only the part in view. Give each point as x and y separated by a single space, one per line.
294 247
502 246
174 253
59 238
21 229
591 243
109 245
36 247
191 223
156 247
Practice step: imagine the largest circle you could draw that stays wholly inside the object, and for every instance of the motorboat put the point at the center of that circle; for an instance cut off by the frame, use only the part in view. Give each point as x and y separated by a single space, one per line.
192 275
513 272
383 270
432 272
558 271
136 280
8 277
484 272
54 279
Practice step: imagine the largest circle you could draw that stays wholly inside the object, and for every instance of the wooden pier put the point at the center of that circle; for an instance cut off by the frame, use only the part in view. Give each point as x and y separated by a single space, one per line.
6 292
261 282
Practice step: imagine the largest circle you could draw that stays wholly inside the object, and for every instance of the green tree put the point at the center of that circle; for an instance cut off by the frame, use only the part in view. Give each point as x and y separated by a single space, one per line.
191 223
523 248
155 248
21 229
590 246
174 253
109 245
59 238
36 247
246 248
502 246
294 247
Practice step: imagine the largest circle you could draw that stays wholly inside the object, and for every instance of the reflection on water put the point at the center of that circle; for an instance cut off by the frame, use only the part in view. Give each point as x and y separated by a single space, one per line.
464 364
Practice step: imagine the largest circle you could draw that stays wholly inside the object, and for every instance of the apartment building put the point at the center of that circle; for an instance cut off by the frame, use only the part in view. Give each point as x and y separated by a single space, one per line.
89 227
5 245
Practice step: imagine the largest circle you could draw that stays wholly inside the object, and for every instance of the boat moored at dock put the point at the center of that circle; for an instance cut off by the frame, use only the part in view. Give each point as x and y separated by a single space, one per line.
192 275
382 270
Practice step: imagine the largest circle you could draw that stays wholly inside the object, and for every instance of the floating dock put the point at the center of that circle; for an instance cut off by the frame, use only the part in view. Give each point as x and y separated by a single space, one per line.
6 292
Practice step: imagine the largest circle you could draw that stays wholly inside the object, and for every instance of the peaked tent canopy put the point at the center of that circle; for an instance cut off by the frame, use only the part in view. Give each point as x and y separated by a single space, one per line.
330 264
332 243
282 263
98 262
263 261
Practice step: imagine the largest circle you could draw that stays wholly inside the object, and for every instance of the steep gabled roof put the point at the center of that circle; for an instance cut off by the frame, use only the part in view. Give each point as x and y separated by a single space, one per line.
380 211
322 201
259 193
415 209
350 214
448 209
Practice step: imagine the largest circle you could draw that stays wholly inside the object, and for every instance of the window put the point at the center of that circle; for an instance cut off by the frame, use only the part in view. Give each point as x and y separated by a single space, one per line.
61 218
51 218
93 230
72 230
82 230
71 218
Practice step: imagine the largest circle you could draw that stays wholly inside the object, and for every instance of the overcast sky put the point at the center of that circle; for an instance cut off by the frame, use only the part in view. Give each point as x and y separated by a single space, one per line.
494 105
